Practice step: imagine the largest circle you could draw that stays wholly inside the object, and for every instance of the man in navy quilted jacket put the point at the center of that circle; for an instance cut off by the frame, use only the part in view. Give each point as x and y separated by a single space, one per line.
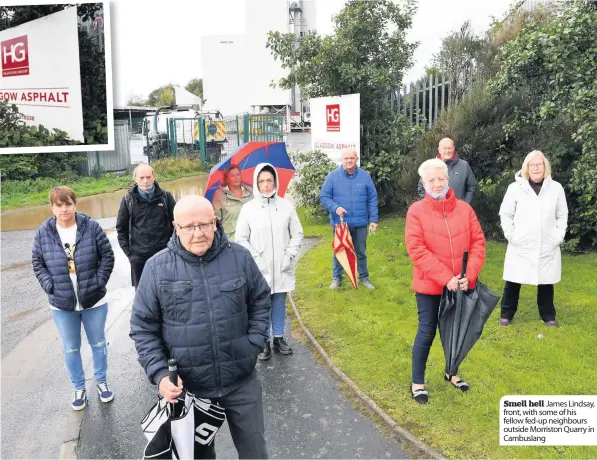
348 192
204 302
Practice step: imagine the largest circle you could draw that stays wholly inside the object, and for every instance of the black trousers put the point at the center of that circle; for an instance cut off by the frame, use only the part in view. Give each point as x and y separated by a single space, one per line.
428 308
547 310
136 272
244 413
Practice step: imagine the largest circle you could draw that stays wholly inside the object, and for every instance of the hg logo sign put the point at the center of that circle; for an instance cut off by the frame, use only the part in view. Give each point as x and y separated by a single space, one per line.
14 57
332 117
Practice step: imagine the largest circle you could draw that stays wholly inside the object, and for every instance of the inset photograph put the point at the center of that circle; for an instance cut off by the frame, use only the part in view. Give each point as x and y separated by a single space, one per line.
56 80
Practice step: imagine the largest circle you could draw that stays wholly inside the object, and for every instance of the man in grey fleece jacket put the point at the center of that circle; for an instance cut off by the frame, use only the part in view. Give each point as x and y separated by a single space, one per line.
462 178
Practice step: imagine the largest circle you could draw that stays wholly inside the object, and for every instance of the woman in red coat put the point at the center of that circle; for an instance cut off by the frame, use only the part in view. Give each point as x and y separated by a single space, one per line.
439 228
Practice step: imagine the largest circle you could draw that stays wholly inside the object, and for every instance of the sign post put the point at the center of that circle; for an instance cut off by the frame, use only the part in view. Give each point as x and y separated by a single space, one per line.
336 124
41 74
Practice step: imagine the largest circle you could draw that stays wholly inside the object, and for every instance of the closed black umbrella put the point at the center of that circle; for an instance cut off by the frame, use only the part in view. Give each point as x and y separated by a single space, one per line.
182 430
462 316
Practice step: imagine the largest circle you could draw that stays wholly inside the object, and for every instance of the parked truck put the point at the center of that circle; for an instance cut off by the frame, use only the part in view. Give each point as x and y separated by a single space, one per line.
177 129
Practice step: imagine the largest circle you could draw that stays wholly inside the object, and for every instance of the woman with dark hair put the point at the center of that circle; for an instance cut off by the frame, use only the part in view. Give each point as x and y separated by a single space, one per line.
269 227
230 198
72 260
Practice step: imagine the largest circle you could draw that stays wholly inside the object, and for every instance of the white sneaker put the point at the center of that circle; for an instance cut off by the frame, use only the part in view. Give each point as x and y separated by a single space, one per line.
367 284
80 400
335 284
104 392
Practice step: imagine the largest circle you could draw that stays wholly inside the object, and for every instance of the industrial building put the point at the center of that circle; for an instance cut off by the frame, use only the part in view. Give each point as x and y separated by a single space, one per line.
238 69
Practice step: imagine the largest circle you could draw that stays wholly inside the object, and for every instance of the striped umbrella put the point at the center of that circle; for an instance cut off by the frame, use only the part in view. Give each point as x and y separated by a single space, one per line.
345 252
247 157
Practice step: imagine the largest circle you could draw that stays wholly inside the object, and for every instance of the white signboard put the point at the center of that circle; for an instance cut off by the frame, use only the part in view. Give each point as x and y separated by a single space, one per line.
336 124
40 72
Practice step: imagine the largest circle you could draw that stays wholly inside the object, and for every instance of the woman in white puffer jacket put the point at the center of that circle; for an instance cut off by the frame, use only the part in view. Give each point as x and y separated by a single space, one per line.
269 227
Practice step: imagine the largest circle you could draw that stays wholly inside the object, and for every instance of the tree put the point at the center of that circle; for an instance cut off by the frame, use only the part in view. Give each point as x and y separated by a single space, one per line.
162 96
15 133
91 59
366 54
461 59
195 86
554 64
136 100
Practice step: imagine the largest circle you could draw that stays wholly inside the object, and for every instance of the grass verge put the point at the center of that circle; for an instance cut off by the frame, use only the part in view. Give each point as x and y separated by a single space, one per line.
20 194
369 335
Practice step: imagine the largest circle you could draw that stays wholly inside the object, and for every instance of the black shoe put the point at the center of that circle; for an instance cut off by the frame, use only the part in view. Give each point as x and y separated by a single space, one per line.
460 384
266 353
280 346
420 395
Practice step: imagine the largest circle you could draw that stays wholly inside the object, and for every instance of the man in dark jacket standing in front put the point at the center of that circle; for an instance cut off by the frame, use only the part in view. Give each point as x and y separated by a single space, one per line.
348 193
204 302
462 178
144 222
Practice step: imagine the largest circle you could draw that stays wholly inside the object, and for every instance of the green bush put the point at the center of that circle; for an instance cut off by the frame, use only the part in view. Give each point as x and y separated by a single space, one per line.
477 127
490 193
312 169
388 166
175 167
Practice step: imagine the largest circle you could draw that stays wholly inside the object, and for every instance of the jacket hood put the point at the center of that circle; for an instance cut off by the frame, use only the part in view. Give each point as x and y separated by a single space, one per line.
247 191
258 169
521 180
219 243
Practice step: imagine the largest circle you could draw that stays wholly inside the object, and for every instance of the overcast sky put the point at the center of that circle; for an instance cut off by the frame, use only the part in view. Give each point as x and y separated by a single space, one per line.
155 42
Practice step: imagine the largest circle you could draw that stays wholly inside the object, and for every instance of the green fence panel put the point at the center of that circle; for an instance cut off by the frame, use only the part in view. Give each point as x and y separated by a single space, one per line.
202 143
246 128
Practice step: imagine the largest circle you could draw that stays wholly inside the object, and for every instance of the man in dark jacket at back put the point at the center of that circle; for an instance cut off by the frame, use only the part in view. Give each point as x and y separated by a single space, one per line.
204 302
144 222
462 178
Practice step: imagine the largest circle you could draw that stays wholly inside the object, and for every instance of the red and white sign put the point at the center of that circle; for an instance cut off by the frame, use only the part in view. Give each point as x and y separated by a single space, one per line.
41 74
14 57
332 117
336 124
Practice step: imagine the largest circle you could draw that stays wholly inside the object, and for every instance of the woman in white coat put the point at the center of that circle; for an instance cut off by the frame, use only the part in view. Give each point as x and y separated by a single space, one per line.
269 227
534 216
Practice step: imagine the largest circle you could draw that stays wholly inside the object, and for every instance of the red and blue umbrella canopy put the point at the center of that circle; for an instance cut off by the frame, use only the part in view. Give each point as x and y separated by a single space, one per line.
247 157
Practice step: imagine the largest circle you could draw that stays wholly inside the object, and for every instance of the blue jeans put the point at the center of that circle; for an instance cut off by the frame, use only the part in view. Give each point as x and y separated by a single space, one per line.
428 307
278 314
69 326
359 240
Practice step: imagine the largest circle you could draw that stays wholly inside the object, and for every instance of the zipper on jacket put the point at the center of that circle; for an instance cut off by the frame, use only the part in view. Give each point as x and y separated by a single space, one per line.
213 329
77 294
449 237
59 241
271 228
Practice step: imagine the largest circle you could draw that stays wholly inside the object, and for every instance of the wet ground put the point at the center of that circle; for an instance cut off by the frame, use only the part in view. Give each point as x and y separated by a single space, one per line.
106 205
96 206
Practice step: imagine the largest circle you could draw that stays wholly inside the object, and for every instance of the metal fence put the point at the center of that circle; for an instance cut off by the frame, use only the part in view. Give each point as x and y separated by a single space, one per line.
422 102
114 161
212 139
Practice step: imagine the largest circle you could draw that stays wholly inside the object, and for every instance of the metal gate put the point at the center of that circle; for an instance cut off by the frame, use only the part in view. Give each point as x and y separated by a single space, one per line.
211 140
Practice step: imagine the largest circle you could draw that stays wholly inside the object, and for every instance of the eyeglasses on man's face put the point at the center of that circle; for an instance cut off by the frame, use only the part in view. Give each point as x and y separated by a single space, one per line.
190 229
